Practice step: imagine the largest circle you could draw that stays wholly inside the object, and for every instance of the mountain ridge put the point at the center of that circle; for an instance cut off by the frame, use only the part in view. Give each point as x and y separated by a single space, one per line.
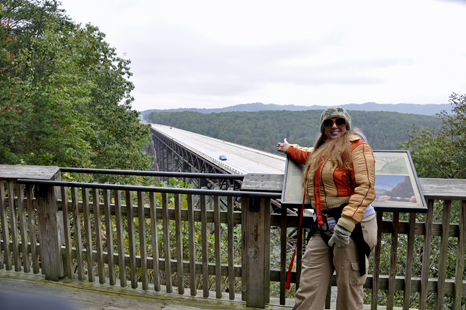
409 108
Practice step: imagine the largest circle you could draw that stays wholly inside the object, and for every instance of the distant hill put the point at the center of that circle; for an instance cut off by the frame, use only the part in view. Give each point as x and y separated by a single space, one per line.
263 129
408 108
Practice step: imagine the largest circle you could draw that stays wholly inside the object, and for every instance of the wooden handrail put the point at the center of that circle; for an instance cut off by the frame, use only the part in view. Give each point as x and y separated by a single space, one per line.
87 232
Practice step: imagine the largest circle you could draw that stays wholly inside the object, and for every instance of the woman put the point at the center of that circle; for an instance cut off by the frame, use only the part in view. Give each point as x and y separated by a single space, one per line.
339 178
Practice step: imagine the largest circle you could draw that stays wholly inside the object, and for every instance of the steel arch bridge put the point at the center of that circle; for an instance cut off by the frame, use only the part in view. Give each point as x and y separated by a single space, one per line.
173 156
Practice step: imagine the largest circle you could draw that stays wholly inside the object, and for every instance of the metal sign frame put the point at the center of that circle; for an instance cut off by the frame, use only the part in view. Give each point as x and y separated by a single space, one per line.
396 184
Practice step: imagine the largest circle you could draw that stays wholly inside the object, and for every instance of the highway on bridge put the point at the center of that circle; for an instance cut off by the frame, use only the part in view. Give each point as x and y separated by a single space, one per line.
240 159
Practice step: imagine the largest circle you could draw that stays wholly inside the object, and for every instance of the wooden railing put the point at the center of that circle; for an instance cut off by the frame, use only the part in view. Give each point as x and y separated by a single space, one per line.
161 238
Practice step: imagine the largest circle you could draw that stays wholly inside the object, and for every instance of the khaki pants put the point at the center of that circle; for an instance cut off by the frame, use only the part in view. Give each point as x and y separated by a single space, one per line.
317 269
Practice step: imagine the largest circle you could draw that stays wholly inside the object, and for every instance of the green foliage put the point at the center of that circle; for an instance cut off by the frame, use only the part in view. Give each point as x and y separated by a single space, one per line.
262 130
65 93
441 152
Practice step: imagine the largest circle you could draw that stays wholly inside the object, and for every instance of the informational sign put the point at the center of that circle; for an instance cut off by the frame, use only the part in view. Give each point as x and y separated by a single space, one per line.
396 184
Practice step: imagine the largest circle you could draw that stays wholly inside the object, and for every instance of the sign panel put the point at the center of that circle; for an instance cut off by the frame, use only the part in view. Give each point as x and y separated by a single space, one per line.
396 184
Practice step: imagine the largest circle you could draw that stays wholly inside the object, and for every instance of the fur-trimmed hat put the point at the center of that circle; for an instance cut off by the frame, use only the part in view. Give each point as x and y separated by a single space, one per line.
335 112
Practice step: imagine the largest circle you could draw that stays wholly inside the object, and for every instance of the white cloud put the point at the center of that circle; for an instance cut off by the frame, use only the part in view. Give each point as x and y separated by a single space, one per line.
220 53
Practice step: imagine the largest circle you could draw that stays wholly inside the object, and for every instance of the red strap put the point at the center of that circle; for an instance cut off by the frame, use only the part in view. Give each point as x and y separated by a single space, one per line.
319 217
288 276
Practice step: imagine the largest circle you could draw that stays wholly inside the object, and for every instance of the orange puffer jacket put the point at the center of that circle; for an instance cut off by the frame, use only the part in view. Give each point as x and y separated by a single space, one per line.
337 185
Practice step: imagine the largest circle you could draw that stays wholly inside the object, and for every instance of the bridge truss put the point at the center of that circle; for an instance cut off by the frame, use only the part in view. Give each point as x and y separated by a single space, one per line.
172 156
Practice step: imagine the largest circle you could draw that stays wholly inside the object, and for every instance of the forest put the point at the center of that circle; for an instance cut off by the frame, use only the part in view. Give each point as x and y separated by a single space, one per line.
262 130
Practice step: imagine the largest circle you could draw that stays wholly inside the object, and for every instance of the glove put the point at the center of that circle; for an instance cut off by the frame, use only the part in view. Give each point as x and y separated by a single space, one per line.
340 237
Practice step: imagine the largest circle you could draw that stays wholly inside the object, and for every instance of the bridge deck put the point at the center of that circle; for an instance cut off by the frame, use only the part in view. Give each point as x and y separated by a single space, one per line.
239 158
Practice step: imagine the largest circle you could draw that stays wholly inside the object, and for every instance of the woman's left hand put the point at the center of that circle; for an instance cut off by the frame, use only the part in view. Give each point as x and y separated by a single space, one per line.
340 237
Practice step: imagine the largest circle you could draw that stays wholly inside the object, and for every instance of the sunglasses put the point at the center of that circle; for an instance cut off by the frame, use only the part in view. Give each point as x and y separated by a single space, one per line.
328 123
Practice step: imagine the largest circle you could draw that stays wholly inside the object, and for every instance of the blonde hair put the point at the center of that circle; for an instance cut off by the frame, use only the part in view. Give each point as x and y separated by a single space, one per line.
336 151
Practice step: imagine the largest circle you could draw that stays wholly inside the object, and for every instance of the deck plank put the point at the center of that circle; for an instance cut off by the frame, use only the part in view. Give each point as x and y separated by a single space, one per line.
94 296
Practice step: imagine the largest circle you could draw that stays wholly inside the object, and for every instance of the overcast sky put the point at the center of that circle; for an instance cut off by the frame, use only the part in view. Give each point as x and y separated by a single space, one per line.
218 53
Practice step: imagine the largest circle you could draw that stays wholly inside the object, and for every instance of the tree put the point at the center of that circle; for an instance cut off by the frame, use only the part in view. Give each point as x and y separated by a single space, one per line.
441 152
65 93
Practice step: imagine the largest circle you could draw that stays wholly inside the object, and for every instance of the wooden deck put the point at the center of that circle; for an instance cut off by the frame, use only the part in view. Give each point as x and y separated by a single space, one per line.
95 296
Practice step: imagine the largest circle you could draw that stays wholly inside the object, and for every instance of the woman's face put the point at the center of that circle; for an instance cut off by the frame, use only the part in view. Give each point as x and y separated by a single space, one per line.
334 127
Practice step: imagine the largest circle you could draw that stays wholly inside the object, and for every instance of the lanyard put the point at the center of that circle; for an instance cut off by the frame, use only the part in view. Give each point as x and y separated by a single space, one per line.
319 216
320 221
298 239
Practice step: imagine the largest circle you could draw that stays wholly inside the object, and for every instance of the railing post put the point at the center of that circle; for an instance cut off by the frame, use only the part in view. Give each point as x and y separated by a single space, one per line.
49 233
50 220
255 218
257 246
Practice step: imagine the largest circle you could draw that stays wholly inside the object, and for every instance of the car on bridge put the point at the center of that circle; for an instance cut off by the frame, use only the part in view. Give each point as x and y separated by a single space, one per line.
222 157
